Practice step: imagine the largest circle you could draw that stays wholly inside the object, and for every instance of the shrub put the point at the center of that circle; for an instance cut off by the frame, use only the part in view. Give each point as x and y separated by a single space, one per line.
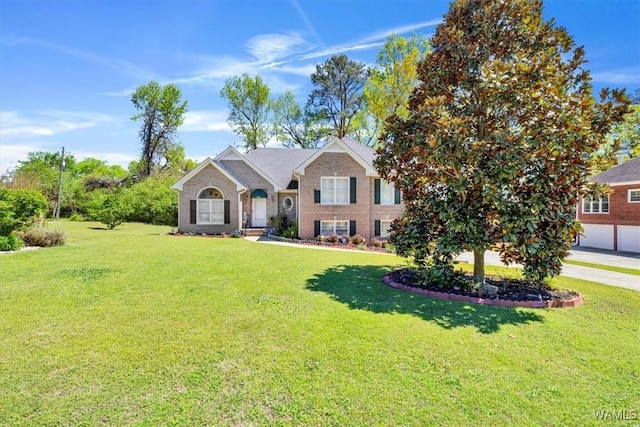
320 238
10 243
109 209
292 231
377 243
444 276
20 208
76 217
280 224
357 239
152 201
43 237
333 238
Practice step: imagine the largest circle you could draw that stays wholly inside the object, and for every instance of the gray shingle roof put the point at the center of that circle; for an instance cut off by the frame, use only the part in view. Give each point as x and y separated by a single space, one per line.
626 172
279 163
368 154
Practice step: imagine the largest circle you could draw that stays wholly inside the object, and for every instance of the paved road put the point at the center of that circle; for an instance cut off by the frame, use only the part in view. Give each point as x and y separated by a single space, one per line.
612 278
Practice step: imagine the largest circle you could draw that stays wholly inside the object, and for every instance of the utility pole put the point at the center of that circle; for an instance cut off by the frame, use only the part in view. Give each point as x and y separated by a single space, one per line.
57 213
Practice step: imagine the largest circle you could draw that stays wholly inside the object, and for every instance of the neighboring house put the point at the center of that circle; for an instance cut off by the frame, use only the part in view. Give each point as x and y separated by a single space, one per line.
332 190
613 222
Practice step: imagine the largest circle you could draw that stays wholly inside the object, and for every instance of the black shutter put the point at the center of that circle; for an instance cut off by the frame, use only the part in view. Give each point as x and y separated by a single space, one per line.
376 227
316 196
227 212
316 228
352 227
352 189
192 211
397 201
376 193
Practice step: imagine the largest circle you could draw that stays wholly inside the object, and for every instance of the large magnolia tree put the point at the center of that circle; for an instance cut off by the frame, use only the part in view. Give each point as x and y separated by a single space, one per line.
497 144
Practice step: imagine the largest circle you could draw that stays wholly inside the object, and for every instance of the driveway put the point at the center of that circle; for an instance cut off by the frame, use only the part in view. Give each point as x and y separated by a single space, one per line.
612 278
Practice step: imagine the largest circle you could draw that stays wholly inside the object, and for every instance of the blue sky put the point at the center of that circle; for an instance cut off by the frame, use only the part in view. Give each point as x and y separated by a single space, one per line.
68 67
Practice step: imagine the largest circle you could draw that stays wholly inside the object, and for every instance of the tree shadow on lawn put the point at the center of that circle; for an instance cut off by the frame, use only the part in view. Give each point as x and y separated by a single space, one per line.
361 287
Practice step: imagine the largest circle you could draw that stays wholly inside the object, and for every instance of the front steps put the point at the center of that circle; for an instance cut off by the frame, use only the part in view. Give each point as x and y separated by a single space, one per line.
255 232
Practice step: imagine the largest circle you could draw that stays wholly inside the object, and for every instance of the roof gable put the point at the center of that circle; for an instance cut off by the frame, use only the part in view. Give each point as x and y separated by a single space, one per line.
231 153
279 163
207 162
362 154
625 173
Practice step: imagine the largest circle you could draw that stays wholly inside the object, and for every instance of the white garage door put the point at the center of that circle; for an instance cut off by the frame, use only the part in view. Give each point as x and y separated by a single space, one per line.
597 236
629 238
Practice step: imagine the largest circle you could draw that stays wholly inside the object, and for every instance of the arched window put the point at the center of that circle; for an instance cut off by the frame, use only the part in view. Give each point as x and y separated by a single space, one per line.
258 194
210 206
210 193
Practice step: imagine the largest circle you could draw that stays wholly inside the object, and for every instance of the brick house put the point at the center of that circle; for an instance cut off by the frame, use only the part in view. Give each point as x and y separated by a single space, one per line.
613 222
332 190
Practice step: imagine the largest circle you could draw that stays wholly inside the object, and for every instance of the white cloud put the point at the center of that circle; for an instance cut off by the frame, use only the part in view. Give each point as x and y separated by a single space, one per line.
620 76
372 41
275 53
205 121
269 47
307 22
10 154
334 50
105 61
48 123
400 30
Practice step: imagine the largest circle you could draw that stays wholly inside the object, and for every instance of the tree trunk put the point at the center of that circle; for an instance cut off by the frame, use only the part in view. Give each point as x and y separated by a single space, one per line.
478 266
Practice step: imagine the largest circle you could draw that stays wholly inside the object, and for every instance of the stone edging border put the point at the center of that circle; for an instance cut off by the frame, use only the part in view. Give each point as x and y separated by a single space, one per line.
573 302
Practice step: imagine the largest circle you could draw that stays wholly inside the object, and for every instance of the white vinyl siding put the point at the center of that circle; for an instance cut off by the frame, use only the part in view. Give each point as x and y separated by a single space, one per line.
210 211
339 228
590 205
334 190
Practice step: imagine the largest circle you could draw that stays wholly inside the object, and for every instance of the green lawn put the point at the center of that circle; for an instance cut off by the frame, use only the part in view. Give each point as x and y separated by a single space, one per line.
625 270
135 327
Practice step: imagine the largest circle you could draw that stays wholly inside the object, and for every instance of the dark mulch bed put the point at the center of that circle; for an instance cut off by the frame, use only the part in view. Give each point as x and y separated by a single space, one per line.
508 288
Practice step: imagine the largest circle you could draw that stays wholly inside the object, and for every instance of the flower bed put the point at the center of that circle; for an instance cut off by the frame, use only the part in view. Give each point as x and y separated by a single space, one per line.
512 292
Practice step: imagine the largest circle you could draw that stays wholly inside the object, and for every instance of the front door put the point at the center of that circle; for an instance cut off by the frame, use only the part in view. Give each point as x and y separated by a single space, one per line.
258 212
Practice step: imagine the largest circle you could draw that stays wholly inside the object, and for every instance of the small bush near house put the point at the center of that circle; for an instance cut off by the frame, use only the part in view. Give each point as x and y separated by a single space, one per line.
10 243
292 231
357 239
377 243
43 237
333 239
280 224
320 238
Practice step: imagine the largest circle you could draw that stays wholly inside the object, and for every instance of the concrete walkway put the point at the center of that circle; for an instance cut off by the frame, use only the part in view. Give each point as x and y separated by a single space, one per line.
611 258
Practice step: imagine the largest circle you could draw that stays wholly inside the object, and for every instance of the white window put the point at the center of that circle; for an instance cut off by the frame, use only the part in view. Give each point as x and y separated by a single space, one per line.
334 190
339 228
210 207
590 205
385 228
387 193
634 196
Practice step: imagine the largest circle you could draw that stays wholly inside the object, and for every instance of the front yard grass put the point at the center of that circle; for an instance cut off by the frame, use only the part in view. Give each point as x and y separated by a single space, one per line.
625 270
135 327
